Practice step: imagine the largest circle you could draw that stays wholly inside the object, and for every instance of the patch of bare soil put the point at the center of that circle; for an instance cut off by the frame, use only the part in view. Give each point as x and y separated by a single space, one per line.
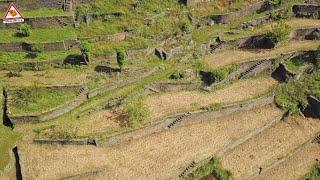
295 167
160 155
269 146
227 57
173 102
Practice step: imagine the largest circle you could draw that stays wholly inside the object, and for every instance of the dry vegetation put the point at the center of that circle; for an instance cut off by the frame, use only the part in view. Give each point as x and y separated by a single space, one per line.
174 102
156 156
227 57
265 148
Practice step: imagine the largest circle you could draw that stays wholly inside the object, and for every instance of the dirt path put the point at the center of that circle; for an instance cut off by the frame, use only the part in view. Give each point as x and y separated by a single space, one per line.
157 156
296 166
227 57
270 145
173 102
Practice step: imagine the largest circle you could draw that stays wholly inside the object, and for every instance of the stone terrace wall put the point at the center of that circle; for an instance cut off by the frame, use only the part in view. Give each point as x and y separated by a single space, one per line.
307 34
51 46
306 10
45 22
226 18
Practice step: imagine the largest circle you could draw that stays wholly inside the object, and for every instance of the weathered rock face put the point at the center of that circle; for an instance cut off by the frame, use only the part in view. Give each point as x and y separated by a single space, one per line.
166 55
208 77
282 74
313 108
307 10
259 42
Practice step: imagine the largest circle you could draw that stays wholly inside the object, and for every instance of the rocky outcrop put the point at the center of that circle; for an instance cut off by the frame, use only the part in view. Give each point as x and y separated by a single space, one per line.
258 42
307 10
307 34
313 108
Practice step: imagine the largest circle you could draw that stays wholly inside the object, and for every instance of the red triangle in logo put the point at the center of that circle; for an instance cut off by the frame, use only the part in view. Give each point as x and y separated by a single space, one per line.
12 15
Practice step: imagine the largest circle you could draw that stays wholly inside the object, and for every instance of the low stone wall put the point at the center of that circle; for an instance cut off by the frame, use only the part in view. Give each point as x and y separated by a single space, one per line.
108 38
307 10
50 46
44 22
176 87
84 141
226 18
306 34
131 54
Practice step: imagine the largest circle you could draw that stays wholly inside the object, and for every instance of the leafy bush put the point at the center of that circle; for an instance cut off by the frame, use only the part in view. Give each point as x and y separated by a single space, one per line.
222 73
278 15
185 26
314 174
24 30
85 48
275 2
280 31
121 57
293 95
136 110
211 167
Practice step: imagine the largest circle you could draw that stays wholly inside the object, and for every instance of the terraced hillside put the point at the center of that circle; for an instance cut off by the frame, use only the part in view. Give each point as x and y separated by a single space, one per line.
170 89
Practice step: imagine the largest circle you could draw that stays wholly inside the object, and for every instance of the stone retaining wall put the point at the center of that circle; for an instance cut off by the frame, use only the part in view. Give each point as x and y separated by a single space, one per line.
176 87
306 34
307 10
226 18
84 141
50 46
108 38
44 22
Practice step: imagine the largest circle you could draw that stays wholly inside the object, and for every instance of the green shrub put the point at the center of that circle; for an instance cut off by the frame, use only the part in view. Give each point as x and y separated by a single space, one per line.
121 58
85 48
278 15
222 73
280 31
211 167
275 2
136 110
24 30
314 174
293 95
185 26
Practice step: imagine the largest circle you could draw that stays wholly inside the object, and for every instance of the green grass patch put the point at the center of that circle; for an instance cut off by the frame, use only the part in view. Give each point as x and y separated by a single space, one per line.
45 12
136 110
36 100
38 35
17 57
7 141
293 95
212 167
314 173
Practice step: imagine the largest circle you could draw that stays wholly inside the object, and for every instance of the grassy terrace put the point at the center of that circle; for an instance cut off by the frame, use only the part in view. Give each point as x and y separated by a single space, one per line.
36 100
17 57
102 48
39 35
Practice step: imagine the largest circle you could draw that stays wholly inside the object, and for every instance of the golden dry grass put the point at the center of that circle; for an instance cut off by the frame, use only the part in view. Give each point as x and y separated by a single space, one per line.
157 156
174 102
265 148
227 57
296 166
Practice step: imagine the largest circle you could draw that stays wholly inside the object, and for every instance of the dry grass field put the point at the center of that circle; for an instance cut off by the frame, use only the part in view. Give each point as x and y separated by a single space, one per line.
174 102
227 57
296 166
264 149
161 155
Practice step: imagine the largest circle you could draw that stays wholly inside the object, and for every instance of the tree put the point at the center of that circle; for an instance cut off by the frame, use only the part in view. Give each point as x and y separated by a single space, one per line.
24 30
121 58
85 48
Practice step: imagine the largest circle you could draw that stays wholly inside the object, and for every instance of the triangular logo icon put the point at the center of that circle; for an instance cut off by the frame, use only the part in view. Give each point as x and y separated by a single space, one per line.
13 15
